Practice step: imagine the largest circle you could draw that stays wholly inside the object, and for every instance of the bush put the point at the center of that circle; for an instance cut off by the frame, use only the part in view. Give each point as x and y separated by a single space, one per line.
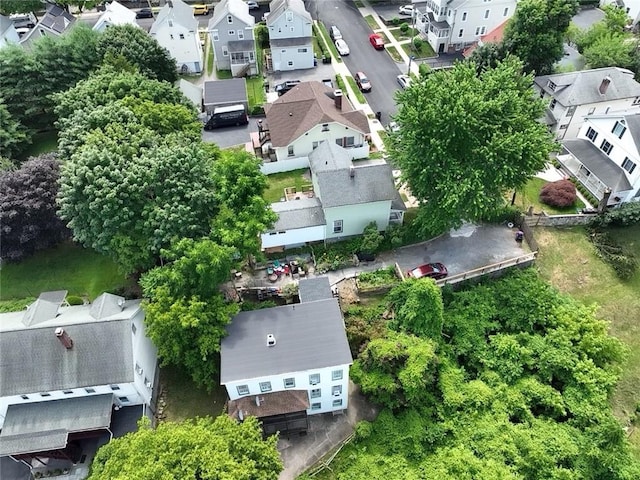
257 110
404 28
622 262
417 43
395 21
371 239
626 215
74 300
560 194
363 430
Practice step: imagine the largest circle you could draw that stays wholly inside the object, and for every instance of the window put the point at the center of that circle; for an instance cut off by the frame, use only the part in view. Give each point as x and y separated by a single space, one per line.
116 387
336 375
302 50
225 52
90 390
289 383
619 129
289 16
325 127
592 134
67 392
461 32
214 34
123 399
551 86
240 34
464 17
316 393
147 383
243 389
506 12
133 328
182 36
314 379
481 30
231 33
24 397
337 226
316 144
591 110
337 403
290 150
45 394
316 406
336 390
636 101
229 19
628 165
290 63
171 36
571 111
552 105
564 127
265 387
606 147
138 369
486 13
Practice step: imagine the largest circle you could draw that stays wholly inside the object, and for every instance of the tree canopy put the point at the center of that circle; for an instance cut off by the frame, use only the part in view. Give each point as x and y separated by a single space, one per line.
466 139
203 449
13 136
418 308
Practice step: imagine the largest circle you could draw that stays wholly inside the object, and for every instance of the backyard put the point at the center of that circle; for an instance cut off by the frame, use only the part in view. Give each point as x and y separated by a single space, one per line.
529 196
279 181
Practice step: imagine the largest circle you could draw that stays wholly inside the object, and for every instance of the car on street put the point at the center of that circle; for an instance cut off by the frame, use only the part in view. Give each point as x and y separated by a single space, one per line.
342 47
406 10
362 81
284 87
376 41
144 13
431 270
404 81
252 5
334 33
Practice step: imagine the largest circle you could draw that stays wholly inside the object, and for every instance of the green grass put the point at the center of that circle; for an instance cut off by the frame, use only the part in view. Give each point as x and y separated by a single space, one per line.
327 41
372 22
279 181
42 142
255 91
185 400
356 90
65 267
394 54
425 50
209 59
530 196
223 74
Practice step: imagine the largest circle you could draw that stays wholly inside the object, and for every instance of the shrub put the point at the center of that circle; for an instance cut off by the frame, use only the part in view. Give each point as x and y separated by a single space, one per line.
404 28
417 43
257 110
371 238
363 430
74 300
559 194
396 21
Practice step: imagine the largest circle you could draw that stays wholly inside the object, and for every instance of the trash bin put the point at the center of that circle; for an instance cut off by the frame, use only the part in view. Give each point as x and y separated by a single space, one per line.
326 59
378 116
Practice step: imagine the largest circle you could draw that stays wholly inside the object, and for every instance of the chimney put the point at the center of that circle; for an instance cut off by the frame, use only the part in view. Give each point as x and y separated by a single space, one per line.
352 171
271 340
337 98
64 338
604 85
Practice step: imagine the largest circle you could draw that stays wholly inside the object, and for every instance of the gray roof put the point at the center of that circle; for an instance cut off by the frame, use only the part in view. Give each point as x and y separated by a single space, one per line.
438 25
41 426
56 19
241 46
329 157
5 24
233 90
308 336
290 42
44 308
238 8
581 88
316 288
598 163
176 11
306 212
106 305
191 91
633 124
278 7
365 182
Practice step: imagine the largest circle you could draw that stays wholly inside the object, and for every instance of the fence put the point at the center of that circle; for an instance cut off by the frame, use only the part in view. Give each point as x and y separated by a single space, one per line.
494 269
558 220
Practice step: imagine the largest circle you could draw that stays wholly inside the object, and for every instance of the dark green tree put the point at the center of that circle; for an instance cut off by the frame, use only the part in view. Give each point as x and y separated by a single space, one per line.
7 7
13 136
418 308
488 55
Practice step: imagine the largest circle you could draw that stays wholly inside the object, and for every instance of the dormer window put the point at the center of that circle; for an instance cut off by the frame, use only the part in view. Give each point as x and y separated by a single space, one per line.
229 19
618 129
325 127
551 86
289 16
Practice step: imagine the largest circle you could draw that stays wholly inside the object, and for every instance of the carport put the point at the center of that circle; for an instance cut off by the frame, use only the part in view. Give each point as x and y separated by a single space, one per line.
221 93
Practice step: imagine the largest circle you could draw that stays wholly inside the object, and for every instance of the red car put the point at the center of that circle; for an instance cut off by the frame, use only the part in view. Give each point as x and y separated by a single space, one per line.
431 270
376 41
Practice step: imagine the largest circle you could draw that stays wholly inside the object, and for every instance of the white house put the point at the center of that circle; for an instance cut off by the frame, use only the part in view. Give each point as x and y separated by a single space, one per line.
605 156
66 368
55 22
290 36
176 29
453 25
572 96
281 364
344 198
8 33
632 7
303 118
231 33
115 14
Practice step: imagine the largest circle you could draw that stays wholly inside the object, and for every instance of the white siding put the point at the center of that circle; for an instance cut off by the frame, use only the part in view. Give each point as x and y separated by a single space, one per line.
292 58
295 28
145 354
293 238
186 51
356 217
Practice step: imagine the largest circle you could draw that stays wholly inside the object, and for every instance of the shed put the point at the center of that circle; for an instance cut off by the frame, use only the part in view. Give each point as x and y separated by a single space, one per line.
220 93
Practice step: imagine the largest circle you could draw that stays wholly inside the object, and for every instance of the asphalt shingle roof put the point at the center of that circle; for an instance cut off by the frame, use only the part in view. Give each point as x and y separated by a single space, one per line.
312 289
237 8
278 7
598 163
306 212
232 90
178 12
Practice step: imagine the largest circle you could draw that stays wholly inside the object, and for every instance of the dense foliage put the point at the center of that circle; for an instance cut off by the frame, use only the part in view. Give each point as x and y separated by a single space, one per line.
13 136
28 219
520 391
203 449
561 193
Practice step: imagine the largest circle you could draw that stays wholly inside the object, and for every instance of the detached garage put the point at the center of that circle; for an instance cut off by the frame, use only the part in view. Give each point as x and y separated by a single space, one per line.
222 93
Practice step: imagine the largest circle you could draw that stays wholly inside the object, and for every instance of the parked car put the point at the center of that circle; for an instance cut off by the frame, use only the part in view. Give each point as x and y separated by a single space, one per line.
404 81
393 127
343 48
377 41
284 87
431 270
406 10
334 33
252 5
362 81
144 13
201 9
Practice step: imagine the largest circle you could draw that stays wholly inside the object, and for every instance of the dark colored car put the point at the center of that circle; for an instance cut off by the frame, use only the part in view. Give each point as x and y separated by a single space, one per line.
376 41
362 81
431 270
365 257
144 13
284 87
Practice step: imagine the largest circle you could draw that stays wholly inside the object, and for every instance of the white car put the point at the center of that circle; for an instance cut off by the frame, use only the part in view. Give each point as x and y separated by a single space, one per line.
406 10
343 48
404 81
393 127
252 4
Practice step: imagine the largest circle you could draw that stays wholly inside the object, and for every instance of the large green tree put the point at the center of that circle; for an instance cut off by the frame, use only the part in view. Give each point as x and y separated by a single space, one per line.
467 138
202 449
7 7
536 33
418 308
13 136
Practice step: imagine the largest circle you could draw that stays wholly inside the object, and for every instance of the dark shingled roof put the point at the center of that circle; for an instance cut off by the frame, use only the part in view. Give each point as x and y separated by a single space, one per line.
312 289
598 163
306 212
274 403
290 42
233 90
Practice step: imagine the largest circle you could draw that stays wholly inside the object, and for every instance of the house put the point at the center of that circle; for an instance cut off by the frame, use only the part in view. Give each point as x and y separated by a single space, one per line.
494 36
115 14
343 199
300 120
66 369
8 32
231 33
572 96
290 36
605 156
191 91
283 363
222 93
453 25
176 29
55 22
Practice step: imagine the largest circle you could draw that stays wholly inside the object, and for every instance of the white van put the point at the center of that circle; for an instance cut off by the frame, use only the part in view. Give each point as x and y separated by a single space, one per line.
334 33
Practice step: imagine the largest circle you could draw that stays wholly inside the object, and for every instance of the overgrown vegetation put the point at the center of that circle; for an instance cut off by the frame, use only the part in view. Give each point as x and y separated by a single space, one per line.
378 278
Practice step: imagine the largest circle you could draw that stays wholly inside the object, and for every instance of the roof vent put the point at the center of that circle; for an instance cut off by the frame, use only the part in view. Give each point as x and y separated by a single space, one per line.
271 340
604 85
64 338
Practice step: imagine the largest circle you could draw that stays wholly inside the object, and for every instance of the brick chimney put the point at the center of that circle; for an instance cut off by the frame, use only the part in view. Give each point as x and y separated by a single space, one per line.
337 98
604 85
64 338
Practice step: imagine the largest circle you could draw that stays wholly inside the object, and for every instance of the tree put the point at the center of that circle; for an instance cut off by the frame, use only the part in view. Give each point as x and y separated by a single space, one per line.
488 55
467 139
418 308
7 7
139 49
536 33
203 448
28 220
185 313
371 238
261 33
13 136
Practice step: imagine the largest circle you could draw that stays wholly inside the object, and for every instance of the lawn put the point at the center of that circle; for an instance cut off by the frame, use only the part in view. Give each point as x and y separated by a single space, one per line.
279 181
223 74
255 91
372 22
327 40
42 142
530 196
425 50
65 267
209 59
356 90
394 54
